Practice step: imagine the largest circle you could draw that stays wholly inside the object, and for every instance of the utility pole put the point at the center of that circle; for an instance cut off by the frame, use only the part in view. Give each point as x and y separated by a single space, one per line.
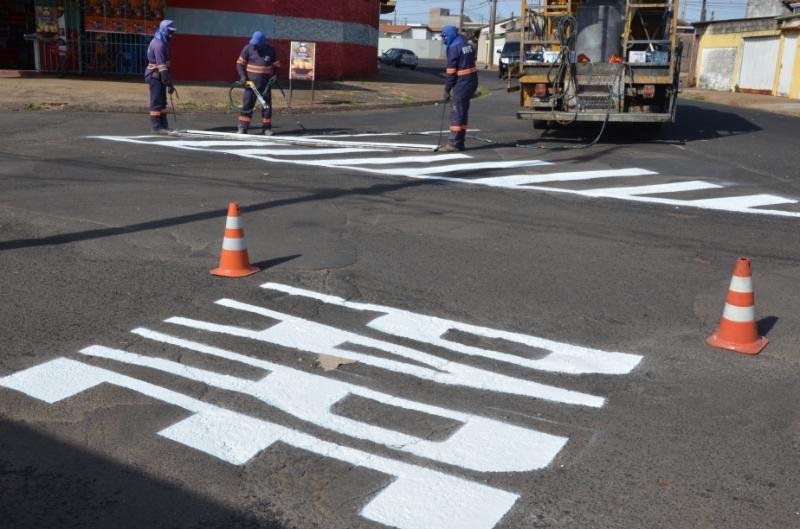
461 18
492 22
703 12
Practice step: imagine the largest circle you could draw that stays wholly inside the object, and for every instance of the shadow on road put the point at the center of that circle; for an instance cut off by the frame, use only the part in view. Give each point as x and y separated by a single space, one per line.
765 325
66 238
47 484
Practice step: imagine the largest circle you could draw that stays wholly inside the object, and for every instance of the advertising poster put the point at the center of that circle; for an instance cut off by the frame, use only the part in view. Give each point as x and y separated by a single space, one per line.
46 22
140 17
301 61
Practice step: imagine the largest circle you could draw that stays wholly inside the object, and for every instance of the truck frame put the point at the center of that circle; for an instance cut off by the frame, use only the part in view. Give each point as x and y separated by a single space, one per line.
639 83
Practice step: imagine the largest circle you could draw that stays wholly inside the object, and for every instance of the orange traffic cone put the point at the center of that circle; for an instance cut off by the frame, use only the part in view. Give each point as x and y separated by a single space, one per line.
234 261
737 328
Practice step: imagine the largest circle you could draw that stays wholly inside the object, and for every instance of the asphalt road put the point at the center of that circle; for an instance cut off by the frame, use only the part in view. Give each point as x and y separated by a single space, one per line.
482 416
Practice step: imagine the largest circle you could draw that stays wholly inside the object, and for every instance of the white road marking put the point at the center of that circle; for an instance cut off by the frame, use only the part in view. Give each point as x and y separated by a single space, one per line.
418 498
306 140
308 336
480 444
675 187
522 180
561 357
394 160
749 204
743 202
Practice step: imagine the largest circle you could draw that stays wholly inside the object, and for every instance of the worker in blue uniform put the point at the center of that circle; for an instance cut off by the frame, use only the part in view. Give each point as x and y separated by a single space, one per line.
158 75
258 63
460 85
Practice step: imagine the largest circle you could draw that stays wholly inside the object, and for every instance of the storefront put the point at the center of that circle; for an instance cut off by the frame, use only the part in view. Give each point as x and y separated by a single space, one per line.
110 37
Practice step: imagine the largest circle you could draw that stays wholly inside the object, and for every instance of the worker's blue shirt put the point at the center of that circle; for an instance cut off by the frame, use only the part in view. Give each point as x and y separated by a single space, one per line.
258 63
158 61
461 69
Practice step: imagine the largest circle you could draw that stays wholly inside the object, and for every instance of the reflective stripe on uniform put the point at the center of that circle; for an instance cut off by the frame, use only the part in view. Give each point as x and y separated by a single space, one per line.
252 68
246 119
452 70
155 113
467 71
266 121
233 244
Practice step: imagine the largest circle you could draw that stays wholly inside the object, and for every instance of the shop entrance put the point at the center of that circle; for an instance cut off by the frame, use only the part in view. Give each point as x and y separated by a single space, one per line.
17 20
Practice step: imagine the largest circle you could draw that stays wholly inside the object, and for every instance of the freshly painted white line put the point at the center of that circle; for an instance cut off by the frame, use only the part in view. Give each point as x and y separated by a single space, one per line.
305 140
742 284
480 444
521 180
439 501
297 152
393 160
675 187
739 314
562 357
743 203
463 168
311 337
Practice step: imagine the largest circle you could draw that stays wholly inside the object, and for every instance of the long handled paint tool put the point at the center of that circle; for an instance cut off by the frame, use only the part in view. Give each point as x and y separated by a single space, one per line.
441 126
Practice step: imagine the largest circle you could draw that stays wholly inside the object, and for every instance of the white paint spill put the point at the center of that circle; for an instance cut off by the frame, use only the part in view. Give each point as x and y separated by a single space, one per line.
480 444
561 357
418 498
308 336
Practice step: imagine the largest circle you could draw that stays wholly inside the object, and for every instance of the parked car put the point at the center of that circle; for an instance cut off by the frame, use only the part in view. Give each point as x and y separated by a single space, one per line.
509 56
399 57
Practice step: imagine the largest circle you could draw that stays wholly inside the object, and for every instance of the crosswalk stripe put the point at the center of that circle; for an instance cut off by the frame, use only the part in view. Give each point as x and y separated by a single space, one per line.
675 187
464 167
393 160
295 152
523 179
743 202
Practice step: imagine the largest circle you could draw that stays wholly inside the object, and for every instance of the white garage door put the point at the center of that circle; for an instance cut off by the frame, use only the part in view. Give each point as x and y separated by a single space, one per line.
759 64
716 68
787 65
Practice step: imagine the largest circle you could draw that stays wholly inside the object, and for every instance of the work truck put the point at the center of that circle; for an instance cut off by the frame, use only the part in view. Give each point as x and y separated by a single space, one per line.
598 60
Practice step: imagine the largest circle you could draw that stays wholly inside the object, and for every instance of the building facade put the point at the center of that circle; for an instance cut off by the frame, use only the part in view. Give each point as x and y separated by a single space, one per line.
111 36
754 55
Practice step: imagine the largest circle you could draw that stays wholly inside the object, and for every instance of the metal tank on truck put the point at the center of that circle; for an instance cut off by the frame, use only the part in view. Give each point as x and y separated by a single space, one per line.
599 60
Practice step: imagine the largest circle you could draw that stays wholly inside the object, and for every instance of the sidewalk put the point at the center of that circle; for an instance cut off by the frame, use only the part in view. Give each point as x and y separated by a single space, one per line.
777 105
390 87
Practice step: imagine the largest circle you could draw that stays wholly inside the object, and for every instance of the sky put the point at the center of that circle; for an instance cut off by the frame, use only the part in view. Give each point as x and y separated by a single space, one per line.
417 10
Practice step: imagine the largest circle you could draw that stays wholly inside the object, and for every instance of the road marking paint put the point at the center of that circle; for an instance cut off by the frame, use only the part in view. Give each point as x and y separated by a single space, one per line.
418 498
675 187
522 180
750 204
305 140
308 336
393 160
480 444
561 357
742 203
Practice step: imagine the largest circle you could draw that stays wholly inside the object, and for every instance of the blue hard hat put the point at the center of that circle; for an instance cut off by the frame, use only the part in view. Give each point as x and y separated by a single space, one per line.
166 25
449 33
258 39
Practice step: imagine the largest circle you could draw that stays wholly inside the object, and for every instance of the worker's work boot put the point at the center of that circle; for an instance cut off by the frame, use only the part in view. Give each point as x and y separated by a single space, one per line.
241 130
451 148
266 132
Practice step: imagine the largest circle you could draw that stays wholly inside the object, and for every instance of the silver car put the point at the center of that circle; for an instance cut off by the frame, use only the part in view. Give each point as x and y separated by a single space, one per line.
399 57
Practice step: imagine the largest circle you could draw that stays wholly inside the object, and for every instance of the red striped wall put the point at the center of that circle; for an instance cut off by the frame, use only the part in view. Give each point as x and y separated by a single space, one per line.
358 11
199 58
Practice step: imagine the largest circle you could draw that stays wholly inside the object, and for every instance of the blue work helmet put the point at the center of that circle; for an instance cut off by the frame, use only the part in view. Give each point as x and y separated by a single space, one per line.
165 30
258 39
449 34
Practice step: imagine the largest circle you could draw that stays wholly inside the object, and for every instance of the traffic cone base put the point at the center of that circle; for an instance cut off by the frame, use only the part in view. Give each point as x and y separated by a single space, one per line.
234 261
748 348
737 329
